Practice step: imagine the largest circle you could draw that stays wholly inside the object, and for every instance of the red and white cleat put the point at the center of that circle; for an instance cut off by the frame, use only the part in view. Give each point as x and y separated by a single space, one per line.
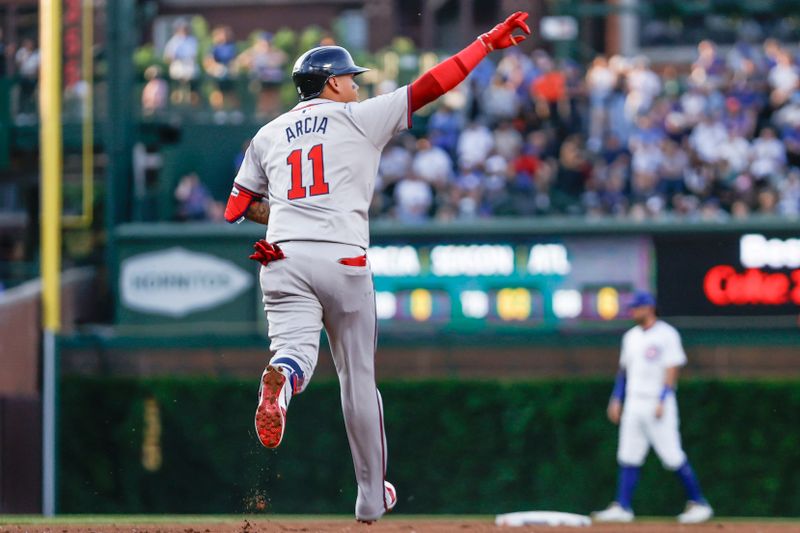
389 496
389 500
273 399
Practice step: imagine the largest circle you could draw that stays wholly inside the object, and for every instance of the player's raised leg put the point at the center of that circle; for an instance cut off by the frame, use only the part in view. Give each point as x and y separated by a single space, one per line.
294 316
274 394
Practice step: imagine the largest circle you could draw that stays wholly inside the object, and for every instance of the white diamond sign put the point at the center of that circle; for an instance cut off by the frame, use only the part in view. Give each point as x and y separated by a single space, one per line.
176 282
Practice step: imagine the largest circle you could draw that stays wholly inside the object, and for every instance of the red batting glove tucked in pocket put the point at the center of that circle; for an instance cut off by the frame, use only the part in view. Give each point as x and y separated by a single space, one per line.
265 253
360 261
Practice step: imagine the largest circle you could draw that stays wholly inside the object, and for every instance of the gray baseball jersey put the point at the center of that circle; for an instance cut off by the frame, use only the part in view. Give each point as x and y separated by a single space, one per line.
317 165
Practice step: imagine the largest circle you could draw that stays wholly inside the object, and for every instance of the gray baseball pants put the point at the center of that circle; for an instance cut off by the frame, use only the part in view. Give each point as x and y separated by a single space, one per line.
307 291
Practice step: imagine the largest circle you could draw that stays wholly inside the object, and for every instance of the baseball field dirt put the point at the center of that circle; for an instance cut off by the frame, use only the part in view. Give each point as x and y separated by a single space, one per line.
392 525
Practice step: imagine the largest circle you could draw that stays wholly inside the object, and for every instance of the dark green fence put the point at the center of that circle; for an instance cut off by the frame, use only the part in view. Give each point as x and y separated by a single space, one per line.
454 447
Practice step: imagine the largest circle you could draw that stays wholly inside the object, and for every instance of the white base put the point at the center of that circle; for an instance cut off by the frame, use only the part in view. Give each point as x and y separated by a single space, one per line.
542 518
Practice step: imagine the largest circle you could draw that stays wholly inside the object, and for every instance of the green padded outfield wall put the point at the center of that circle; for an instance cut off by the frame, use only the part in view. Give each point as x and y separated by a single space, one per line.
524 276
190 276
188 446
210 150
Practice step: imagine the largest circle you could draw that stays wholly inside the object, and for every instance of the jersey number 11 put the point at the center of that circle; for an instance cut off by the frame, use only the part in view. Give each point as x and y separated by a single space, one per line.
319 186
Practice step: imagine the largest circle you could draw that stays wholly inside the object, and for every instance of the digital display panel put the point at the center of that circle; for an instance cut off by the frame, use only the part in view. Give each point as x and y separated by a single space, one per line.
549 284
746 274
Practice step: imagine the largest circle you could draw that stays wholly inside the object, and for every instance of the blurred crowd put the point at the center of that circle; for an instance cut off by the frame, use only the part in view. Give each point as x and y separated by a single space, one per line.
215 70
22 61
719 138
528 134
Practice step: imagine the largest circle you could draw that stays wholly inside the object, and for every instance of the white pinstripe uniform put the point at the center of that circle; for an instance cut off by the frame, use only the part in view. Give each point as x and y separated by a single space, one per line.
646 356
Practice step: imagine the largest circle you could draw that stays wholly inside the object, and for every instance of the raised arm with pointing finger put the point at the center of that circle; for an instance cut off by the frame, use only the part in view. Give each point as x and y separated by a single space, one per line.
452 71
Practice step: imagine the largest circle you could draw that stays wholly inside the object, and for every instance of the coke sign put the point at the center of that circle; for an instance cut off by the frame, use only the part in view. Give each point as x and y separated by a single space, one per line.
723 285
728 274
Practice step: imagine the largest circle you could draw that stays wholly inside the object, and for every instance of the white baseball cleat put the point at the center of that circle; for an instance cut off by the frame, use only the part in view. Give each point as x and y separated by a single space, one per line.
389 501
613 513
695 513
274 394
389 496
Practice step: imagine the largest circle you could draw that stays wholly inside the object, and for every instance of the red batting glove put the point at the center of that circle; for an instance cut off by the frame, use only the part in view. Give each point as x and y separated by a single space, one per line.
265 253
501 35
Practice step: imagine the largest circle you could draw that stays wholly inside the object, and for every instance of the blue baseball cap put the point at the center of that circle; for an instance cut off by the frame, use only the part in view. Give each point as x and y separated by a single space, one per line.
642 299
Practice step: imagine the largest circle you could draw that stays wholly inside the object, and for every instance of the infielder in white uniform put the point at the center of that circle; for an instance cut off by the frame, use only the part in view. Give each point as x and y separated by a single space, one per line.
310 173
646 383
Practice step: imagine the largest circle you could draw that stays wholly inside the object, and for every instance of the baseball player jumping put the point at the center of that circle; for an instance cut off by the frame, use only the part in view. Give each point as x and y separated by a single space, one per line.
311 174
651 355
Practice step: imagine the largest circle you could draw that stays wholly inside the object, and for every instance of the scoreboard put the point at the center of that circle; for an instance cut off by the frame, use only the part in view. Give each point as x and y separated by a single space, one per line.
748 278
488 277
566 283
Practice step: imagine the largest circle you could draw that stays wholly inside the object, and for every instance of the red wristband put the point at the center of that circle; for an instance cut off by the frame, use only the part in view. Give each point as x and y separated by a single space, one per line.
238 202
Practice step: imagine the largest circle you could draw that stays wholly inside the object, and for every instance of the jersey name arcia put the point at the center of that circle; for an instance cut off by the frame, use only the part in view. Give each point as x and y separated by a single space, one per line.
316 165
315 124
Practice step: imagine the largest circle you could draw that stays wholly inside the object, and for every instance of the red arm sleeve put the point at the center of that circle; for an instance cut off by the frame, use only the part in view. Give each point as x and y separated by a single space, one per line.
238 202
446 75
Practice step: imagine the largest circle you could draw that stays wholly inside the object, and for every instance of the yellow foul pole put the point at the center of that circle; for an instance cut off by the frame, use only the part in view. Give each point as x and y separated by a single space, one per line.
51 161
50 223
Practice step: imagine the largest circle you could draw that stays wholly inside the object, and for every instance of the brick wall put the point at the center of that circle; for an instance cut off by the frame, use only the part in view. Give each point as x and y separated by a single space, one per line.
20 327
427 361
